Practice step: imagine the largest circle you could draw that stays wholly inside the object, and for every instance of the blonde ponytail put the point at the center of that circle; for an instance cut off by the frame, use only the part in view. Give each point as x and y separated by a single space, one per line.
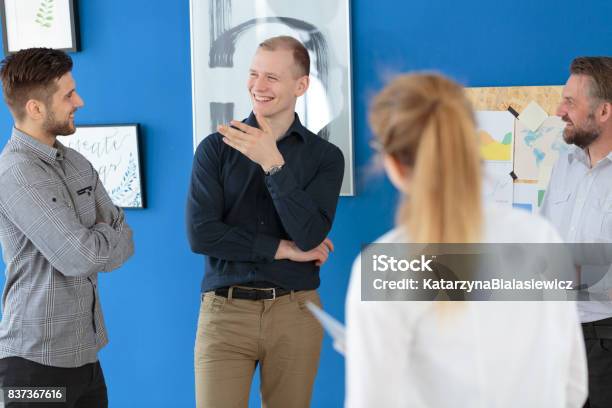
426 123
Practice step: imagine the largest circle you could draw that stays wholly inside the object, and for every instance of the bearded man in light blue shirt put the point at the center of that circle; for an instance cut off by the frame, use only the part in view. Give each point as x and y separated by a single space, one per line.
579 203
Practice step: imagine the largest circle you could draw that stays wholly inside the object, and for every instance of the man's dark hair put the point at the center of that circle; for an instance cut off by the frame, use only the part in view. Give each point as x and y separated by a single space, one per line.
599 70
300 53
30 74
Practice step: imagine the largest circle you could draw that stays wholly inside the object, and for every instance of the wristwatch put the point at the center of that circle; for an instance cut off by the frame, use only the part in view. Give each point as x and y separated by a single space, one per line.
274 169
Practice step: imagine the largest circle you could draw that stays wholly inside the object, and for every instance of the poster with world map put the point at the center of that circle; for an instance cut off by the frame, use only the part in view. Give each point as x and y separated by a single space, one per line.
536 152
533 153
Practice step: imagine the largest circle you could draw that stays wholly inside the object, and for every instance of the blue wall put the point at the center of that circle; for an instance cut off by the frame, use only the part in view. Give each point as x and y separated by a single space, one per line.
135 67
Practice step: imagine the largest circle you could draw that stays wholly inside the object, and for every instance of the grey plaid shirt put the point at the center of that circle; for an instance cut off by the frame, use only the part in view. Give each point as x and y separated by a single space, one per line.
58 229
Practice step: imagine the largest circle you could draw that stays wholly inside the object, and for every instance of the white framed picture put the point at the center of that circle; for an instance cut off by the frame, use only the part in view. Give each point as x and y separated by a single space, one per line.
114 152
39 23
224 37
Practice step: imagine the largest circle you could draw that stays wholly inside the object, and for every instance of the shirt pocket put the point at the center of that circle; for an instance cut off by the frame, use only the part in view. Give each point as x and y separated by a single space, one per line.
559 205
85 206
560 197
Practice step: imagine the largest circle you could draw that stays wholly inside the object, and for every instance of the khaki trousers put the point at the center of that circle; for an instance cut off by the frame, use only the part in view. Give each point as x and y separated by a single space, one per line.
234 335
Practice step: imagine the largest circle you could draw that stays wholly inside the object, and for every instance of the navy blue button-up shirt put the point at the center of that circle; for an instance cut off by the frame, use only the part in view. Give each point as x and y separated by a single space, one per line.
237 215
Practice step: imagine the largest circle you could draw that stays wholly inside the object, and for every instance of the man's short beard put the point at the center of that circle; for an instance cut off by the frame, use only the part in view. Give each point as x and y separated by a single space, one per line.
583 136
57 128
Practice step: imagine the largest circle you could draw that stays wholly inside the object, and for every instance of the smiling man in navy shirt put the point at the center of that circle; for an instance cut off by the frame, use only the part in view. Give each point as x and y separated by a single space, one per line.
262 200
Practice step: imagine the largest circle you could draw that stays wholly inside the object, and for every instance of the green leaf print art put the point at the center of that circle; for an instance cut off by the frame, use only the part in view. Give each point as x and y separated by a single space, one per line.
44 15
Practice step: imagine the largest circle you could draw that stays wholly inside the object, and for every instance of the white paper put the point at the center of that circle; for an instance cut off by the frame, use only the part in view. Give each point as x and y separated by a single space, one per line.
533 116
526 196
496 134
333 327
497 186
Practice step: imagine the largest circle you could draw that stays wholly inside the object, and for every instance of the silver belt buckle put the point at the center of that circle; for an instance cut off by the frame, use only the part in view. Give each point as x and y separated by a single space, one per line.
273 294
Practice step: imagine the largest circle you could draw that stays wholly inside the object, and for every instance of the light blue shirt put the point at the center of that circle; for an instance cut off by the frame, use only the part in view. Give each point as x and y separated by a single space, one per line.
579 204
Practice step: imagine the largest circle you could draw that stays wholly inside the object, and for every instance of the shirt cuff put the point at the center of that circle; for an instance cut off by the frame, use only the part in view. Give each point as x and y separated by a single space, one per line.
265 247
111 235
118 219
281 183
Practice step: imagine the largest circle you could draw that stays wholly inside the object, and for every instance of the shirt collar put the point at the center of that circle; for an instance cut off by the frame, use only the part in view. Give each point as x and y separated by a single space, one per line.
582 156
296 127
44 152
576 153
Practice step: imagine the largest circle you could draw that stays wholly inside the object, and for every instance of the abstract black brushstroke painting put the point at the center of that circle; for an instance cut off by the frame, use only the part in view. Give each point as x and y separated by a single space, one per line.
223 40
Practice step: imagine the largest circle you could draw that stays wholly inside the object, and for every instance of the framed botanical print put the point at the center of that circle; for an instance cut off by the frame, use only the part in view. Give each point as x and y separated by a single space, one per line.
39 23
113 151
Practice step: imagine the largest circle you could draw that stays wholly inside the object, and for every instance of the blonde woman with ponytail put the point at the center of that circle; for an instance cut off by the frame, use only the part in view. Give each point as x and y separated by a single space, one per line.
468 354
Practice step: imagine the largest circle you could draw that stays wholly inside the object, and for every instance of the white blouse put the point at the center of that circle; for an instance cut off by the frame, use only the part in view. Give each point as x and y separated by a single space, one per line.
468 354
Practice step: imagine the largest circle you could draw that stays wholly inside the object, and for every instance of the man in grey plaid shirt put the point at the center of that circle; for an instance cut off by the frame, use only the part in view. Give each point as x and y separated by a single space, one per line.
58 229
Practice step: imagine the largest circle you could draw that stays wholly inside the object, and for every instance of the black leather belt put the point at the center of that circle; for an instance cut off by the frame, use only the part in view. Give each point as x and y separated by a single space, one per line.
601 329
252 293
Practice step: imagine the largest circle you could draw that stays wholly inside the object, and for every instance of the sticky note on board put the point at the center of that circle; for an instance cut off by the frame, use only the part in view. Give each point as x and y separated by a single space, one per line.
533 116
